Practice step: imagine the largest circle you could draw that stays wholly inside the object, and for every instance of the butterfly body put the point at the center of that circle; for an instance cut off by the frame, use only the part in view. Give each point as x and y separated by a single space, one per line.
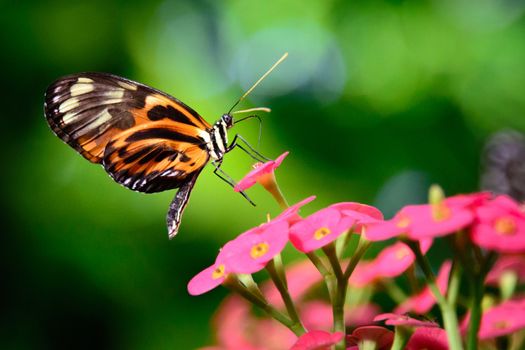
146 140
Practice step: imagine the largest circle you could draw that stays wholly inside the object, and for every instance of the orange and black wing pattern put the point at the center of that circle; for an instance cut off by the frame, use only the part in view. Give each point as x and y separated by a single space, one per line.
146 140
155 157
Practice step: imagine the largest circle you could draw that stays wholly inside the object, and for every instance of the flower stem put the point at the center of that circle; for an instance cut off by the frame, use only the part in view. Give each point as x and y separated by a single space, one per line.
233 283
275 191
454 283
279 267
362 246
343 244
329 277
338 302
476 292
250 284
393 290
401 337
331 254
447 310
287 299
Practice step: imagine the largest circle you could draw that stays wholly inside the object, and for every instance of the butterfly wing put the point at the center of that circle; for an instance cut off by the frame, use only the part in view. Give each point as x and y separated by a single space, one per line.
88 110
156 156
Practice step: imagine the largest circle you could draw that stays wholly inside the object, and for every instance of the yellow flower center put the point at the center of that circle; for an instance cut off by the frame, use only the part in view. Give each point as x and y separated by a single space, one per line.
321 232
401 253
218 272
403 221
440 212
505 226
501 324
259 250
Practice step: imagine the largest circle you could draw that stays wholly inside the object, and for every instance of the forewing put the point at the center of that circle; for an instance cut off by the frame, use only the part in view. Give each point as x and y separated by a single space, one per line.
156 156
89 110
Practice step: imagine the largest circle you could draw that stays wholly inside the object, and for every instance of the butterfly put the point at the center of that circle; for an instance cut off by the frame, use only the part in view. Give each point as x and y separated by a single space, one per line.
145 139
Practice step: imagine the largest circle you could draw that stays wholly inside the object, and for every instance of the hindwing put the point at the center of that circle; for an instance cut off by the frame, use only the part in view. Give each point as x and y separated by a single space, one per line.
156 156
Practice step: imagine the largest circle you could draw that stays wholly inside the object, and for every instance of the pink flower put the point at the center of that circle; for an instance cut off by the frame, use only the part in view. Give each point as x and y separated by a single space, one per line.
502 319
430 338
317 340
501 226
253 249
262 172
317 230
471 200
238 329
379 335
396 259
403 320
316 314
360 315
358 214
429 220
390 262
505 264
425 300
291 213
209 278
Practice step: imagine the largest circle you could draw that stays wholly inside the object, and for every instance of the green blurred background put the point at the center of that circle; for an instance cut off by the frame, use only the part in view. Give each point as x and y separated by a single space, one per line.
377 100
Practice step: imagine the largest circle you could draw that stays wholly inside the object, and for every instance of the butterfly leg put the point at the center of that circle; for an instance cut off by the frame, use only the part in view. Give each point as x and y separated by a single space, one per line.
254 153
227 178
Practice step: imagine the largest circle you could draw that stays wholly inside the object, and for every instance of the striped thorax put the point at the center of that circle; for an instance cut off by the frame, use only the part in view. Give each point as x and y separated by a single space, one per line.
217 144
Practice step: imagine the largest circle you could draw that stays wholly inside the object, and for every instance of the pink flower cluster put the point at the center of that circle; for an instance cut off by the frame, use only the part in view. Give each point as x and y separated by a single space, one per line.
490 225
250 251
494 223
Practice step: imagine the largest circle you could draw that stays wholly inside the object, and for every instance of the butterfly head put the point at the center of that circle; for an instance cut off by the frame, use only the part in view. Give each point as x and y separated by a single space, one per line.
227 119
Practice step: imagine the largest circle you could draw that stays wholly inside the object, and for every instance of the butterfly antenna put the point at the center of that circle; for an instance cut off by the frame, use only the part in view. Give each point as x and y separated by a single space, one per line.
258 81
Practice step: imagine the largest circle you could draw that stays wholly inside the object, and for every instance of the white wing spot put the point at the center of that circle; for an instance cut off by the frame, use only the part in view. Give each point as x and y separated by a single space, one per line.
69 117
116 94
68 105
84 80
100 119
127 85
82 88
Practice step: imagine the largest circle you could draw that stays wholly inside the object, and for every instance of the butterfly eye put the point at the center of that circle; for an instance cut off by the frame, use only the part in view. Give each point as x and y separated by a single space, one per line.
228 119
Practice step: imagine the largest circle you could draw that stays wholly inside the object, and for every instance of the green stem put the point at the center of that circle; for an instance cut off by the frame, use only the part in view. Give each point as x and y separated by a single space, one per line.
412 280
329 277
393 290
331 254
338 302
447 310
362 246
367 344
279 267
338 312
401 337
476 292
251 285
454 283
343 244
287 299
233 283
